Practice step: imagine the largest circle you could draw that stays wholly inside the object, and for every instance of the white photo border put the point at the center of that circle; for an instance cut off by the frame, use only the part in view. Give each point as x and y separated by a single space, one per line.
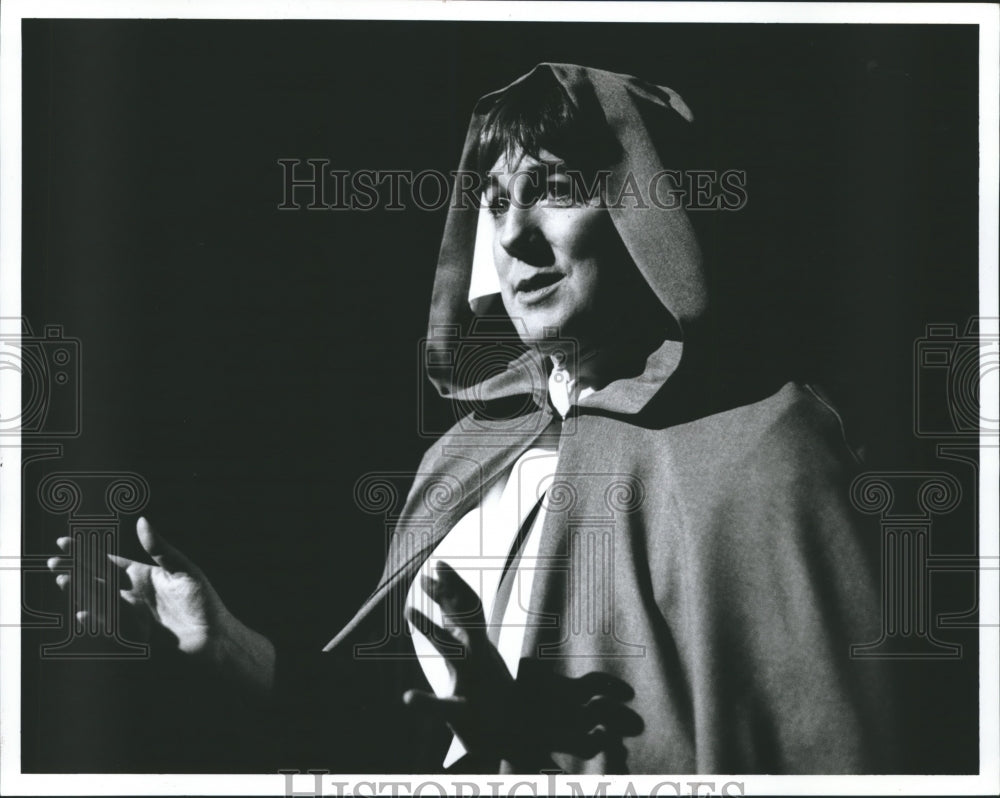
12 12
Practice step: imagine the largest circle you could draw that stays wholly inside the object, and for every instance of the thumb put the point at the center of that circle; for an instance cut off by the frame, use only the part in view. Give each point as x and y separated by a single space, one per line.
163 554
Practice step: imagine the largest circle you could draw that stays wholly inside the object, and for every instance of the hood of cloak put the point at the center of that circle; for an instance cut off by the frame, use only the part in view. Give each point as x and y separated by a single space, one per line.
467 358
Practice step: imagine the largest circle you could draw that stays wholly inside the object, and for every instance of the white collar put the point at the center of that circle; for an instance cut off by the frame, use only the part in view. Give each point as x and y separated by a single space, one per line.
564 389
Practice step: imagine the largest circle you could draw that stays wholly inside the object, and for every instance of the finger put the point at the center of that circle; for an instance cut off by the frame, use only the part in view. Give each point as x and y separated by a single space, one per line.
454 590
458 601
447 644
583 744
58 563
163 554
96 614
91 620
612 715
67 564
65 581
451 709
594 741
598 683
123 564
438 590
129 597
120 562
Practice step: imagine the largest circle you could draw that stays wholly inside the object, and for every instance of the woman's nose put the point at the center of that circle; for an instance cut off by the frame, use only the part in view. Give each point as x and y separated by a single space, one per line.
520 235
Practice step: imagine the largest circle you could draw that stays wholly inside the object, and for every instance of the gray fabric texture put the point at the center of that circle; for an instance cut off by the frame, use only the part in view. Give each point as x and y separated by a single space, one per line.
700 549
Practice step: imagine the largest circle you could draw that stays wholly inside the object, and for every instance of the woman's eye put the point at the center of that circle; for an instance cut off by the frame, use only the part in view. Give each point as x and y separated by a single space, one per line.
559 191
498 205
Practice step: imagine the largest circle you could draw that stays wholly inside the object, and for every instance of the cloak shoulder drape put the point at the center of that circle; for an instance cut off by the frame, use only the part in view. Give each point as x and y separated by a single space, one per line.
700 548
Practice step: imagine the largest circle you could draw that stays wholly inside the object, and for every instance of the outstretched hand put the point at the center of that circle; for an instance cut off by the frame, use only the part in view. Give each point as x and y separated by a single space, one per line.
496 716
174 595
483 687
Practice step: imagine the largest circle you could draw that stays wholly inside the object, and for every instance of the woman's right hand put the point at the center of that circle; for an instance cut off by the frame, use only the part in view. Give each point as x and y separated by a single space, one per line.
176 595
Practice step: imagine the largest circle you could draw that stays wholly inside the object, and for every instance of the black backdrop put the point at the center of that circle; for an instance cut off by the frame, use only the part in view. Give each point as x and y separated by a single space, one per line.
252 363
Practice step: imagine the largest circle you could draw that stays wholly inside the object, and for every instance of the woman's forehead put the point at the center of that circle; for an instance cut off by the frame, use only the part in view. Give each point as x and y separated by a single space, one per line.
519 161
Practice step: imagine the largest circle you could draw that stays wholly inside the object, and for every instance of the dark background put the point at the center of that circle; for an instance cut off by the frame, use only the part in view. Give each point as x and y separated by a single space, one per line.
252 363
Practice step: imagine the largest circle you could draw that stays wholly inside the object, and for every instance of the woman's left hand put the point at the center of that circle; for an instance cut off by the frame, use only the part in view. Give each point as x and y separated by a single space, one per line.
482 710
495 716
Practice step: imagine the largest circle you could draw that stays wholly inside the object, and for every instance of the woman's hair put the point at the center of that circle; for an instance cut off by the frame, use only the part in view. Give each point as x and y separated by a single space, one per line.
537 113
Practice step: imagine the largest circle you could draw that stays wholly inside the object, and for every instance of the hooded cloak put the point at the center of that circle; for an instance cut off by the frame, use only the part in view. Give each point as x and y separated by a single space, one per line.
700 548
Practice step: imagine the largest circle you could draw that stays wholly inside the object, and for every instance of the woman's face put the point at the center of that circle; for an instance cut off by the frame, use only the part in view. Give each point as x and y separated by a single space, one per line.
563 268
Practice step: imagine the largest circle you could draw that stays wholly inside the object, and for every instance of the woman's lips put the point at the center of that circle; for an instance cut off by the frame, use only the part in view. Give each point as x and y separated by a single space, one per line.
538 287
